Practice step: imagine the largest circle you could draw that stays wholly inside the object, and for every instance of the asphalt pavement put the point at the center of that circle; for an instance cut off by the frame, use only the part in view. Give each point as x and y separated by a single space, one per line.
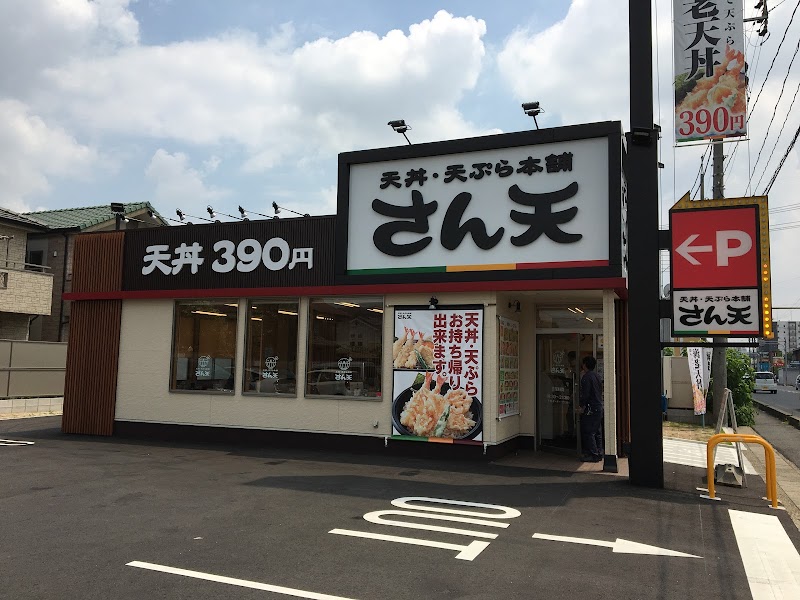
89 518
787 399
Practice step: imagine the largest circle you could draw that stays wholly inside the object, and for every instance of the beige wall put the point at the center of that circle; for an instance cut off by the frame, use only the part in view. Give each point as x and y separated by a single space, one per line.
28 292
16 247
29 369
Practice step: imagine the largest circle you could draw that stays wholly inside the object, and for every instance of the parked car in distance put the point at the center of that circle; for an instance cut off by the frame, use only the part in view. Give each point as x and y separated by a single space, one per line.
765 382
797 383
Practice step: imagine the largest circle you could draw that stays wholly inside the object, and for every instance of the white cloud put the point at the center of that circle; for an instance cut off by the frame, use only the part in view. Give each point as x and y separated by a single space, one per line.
35 34
280 102
178 184
31 151
577 68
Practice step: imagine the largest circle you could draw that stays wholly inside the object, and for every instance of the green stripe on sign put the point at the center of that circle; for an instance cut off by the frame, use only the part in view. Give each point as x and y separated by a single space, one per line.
401 270
410 438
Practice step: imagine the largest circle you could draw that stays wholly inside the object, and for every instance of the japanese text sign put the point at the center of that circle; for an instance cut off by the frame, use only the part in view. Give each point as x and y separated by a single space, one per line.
481 207
252 254
720 271
437 359
710 69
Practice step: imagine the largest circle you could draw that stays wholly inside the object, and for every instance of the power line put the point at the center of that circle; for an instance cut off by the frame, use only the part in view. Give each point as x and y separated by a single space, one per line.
783 160
774 58
788 112
772 118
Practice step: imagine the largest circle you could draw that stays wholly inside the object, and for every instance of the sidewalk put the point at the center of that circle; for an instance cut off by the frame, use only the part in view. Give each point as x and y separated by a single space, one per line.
18 408
786 441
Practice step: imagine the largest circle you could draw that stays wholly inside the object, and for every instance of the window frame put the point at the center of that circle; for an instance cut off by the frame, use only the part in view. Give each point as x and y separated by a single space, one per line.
172 361
271 300
309 330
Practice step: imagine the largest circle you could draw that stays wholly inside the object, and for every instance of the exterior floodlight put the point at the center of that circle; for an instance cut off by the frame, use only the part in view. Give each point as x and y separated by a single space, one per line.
399 125
532 109
279 208
243 212
276 208
117 208
433 303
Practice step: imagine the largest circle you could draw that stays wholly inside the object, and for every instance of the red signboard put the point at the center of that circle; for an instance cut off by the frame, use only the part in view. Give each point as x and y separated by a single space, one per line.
715 248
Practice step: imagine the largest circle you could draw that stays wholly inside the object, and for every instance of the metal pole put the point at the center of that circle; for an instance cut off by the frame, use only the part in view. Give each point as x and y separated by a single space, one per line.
646 458
719 360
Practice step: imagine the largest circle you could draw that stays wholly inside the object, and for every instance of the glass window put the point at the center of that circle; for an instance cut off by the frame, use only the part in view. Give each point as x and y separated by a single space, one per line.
204 345
345 347
579 316
270 364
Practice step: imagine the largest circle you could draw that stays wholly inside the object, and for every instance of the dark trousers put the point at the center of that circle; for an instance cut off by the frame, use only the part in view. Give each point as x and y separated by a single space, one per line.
592 434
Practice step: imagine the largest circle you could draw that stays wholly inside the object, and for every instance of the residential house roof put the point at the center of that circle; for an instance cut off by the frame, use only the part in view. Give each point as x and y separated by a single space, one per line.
22 220
86 216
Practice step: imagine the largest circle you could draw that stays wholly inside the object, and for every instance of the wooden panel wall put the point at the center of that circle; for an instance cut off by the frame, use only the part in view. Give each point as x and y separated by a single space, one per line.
623 376
97 262
90 386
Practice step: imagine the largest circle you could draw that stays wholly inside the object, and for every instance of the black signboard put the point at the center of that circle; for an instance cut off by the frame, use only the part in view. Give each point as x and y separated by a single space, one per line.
246 254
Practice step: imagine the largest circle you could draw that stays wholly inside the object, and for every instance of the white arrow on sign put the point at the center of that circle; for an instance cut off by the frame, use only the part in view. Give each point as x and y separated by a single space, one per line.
619 546
686 249
725 251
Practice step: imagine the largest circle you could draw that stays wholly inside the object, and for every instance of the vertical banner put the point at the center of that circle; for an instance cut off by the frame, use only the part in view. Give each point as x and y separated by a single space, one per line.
437 359
699 371
710 71
508 367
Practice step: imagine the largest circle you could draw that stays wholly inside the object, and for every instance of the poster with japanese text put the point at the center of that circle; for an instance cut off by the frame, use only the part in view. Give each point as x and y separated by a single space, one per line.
437 361
710 70
508 363
700 374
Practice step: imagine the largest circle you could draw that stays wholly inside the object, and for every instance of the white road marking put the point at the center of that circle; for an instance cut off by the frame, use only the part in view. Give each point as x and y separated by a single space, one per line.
693 454
377 517
468 552
619 546
771 562
15 443
505 511
255 585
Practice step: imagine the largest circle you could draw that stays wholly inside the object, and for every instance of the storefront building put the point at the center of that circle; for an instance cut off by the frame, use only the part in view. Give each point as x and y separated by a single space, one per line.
451 299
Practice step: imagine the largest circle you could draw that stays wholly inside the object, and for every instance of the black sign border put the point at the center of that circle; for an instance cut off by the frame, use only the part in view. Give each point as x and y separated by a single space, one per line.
612 130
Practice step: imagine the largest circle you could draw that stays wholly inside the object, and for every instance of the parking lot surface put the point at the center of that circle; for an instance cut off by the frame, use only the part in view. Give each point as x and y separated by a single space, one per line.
109 518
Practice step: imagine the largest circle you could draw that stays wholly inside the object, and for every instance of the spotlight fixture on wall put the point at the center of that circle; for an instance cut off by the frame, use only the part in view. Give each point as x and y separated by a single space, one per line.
517 306
532 109
182 214
214 214
243 212
399 125
433 303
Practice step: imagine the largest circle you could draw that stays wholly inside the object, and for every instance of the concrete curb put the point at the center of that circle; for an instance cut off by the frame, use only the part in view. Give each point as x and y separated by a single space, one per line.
778 413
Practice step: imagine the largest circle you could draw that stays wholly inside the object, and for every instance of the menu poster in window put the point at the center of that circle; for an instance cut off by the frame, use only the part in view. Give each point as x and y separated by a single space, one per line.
508 357
437 361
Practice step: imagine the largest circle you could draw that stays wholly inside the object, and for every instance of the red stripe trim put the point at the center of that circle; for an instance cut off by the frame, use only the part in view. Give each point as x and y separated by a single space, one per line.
619 284
561 265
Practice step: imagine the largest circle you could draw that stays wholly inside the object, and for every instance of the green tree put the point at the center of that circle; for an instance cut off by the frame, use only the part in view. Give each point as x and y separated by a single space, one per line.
740 382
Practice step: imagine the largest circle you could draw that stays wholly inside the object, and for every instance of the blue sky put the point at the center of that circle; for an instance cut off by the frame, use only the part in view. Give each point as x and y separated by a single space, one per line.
187 103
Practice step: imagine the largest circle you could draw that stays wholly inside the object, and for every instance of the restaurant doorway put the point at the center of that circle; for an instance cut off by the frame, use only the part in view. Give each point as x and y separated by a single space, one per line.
559 357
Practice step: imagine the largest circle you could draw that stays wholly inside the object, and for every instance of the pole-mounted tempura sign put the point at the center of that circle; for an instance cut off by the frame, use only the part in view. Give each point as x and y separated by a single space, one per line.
720 267
710 71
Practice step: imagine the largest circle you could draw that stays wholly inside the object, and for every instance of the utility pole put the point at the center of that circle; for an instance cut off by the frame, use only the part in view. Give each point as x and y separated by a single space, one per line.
646 462
719 360
702 179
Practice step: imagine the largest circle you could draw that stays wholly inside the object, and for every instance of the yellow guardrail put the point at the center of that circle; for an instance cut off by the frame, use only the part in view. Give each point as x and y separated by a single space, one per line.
769 455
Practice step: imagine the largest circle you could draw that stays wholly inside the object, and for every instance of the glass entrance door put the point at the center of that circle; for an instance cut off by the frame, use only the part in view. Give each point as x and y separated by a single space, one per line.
559 358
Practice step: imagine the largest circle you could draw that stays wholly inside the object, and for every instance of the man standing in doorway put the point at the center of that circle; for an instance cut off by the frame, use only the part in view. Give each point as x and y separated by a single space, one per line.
591 409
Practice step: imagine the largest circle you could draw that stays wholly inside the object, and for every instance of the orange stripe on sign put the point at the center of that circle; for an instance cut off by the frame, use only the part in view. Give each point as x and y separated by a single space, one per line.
436 440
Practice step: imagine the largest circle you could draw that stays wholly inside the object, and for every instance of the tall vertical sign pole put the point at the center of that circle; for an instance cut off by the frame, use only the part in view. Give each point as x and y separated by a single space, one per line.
646 460
719 358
